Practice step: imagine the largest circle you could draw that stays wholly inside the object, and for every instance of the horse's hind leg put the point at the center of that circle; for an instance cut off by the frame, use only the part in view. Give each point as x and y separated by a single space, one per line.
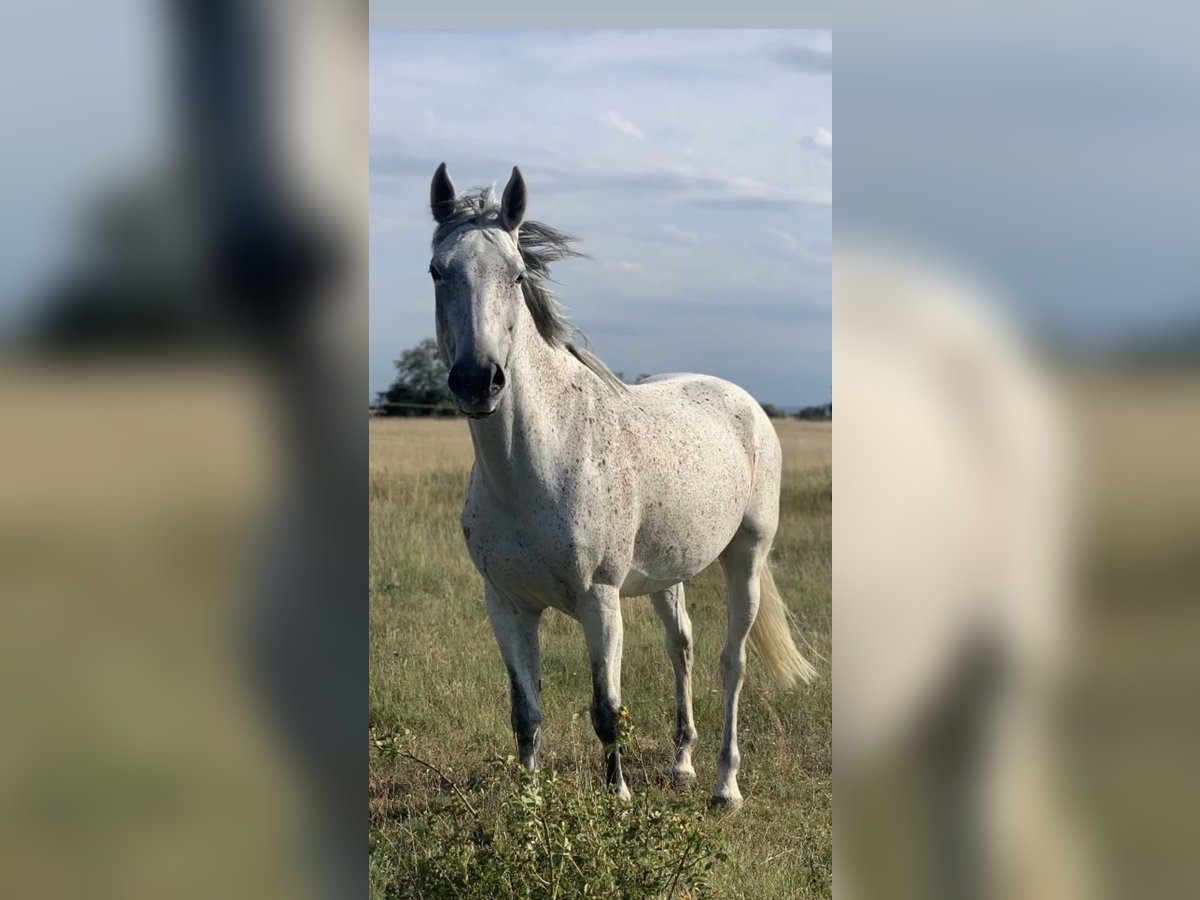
742 561
671 608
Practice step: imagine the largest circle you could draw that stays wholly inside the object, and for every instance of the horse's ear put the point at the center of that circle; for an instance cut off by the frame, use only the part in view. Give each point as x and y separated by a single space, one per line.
441 194
512 206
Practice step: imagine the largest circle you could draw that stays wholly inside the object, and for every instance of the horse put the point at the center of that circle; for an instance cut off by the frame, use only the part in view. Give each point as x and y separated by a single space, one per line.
585 490
953 591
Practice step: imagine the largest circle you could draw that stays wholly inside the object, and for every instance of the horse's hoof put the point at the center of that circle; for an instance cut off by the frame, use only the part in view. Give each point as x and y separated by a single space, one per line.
623 793
727 803
682 779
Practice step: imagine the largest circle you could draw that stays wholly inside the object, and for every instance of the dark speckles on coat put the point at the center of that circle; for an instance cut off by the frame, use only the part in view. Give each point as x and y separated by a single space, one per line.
647 486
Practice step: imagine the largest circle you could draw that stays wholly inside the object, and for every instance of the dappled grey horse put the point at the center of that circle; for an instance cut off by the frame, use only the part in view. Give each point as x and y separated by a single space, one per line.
586 490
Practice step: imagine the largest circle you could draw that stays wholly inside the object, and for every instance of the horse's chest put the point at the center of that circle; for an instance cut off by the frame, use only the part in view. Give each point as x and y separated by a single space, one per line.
546 553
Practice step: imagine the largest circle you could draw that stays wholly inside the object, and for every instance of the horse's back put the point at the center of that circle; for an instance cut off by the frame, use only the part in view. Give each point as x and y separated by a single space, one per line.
683 400
664 376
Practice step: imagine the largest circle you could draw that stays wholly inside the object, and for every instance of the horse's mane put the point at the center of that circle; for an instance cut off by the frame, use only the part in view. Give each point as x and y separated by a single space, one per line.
540 245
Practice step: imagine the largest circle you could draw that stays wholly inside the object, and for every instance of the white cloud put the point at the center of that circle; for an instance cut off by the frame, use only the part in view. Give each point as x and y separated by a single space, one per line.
681 234
718 157
787 239
746 185
615 120
808 250
819 139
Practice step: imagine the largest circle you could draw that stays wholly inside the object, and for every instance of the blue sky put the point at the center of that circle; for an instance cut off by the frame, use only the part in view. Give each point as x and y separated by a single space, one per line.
1049 153
696 167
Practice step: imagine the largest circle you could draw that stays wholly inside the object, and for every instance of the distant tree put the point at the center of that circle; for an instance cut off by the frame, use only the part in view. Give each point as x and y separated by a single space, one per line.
772 411
816 413
419 388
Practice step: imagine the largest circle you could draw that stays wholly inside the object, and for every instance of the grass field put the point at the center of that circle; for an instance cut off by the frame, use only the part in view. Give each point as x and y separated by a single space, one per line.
436 672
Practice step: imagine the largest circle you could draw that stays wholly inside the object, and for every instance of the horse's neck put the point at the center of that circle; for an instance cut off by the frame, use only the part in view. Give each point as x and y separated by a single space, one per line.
547 398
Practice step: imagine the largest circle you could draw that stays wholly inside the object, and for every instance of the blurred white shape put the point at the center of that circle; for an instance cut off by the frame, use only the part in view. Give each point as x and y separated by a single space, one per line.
949 559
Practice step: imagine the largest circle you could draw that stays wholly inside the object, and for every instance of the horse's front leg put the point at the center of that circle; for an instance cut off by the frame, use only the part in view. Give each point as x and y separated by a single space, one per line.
600 613
516 629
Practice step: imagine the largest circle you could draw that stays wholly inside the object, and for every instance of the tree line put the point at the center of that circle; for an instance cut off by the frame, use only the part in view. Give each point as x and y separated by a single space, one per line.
419 389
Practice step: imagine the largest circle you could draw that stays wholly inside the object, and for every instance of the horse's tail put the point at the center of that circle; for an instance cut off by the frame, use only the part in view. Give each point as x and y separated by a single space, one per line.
771 635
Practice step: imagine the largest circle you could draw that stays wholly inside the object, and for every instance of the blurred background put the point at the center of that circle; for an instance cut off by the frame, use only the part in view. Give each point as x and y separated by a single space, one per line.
182 468
183 331
1017 372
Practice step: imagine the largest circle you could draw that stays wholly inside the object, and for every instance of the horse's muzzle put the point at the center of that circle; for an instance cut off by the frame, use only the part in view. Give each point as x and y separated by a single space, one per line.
477 388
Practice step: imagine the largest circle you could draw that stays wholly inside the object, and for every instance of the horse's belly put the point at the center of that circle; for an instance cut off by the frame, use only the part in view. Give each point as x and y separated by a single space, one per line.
674 548
637 584
694 490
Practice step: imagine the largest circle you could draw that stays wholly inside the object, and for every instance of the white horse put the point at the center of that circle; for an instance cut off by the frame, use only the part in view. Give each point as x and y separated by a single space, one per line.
586 490
952 558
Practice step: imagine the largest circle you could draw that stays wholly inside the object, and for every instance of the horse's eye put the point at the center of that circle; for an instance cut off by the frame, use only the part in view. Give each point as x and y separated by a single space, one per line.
435 272
520 278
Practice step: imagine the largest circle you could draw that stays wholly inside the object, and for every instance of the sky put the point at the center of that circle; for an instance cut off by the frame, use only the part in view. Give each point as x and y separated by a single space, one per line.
695 166
1048 152
1058 162
70 131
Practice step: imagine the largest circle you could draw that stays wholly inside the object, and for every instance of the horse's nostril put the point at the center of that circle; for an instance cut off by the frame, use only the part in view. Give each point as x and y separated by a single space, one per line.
473 383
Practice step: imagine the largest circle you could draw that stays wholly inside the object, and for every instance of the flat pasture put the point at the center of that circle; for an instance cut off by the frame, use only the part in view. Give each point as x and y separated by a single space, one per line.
436 676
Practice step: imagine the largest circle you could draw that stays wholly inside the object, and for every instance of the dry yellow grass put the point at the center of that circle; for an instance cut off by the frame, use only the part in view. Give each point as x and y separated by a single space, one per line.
435 669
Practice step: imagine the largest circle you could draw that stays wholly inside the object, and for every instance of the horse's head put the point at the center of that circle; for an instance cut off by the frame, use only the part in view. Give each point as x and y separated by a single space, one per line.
477 272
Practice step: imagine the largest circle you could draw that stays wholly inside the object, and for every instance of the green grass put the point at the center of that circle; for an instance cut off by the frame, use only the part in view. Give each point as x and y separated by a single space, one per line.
436 672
